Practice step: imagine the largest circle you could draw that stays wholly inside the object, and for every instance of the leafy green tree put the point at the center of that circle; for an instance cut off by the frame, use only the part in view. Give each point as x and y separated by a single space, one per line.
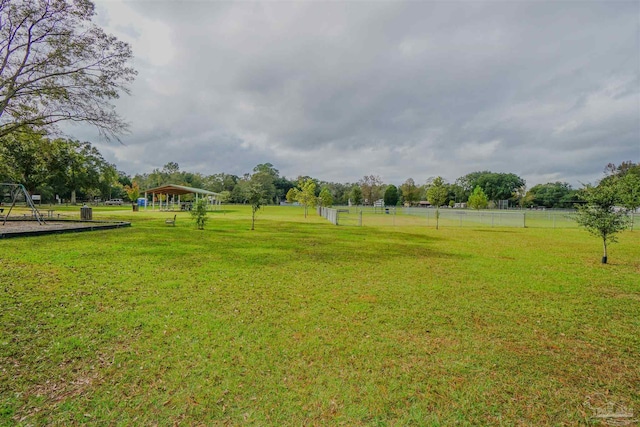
24 158
356 195
282 185
5 170
339 191
622 169
391 195
224 196
307 195
477 199
437 194
240 191
56 65
496 186
551 195
292 195
326 199
109 182
500 186
229 182
199 213
276 187
171 168
256 196
627 175
457 193
268 169
468 183
410 192
630 193
75 167
599 214
124 179
220 182
266 180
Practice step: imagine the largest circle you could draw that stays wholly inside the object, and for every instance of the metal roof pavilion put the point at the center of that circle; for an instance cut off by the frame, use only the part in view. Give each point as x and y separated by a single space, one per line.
178 190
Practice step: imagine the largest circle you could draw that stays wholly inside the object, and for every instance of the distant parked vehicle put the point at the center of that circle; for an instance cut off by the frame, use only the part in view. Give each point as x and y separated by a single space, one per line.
114 202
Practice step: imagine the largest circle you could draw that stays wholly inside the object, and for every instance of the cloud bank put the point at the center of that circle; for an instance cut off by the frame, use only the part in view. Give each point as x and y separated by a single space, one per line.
336 90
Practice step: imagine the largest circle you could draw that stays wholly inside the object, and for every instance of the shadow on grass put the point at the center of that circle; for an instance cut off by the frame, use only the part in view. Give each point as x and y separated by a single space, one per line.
277 242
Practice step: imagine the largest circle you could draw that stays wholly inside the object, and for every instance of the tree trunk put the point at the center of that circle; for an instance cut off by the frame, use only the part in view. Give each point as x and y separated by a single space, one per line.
73 197
604 256
437 217
253 219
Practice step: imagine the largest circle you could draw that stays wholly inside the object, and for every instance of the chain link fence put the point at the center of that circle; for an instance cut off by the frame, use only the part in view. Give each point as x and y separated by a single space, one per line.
502 218
397 216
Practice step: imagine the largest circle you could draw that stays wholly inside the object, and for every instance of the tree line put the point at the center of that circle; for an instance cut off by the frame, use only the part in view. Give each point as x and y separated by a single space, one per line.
75 171
58 169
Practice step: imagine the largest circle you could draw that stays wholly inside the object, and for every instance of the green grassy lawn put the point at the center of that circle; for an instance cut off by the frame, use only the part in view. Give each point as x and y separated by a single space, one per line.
304 323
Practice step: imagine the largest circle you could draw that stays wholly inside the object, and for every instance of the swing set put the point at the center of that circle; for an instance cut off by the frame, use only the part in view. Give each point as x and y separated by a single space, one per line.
15 191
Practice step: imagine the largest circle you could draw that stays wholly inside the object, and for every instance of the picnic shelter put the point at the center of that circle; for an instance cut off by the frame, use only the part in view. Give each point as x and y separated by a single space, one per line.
167 197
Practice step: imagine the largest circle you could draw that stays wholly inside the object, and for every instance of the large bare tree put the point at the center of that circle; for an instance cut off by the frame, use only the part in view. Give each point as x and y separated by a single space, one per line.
56 65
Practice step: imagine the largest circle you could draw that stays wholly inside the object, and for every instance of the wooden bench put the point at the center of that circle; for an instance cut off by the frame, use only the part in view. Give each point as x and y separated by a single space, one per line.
171 221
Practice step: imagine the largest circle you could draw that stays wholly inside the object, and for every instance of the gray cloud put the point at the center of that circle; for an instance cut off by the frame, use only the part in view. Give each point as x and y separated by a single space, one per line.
337 90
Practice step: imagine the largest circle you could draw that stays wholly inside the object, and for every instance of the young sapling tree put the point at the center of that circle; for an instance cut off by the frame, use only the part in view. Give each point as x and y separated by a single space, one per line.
199 213
437 194
599 214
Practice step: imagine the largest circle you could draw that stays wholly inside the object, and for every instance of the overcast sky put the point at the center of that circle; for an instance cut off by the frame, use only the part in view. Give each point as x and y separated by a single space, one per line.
338 90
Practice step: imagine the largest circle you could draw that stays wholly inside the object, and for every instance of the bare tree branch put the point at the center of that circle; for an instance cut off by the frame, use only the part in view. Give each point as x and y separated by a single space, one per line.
56 65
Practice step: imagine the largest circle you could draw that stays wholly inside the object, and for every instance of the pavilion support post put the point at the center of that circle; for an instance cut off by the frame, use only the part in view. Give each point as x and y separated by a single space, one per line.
145 200
153 201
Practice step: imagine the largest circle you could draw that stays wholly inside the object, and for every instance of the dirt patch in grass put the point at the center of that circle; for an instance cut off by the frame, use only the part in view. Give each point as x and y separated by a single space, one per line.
32 228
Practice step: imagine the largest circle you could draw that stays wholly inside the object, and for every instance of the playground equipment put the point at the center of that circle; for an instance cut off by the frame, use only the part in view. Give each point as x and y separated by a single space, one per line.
15 191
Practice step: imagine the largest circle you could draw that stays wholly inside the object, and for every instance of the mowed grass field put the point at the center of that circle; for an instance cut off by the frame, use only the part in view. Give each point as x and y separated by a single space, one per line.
304 323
